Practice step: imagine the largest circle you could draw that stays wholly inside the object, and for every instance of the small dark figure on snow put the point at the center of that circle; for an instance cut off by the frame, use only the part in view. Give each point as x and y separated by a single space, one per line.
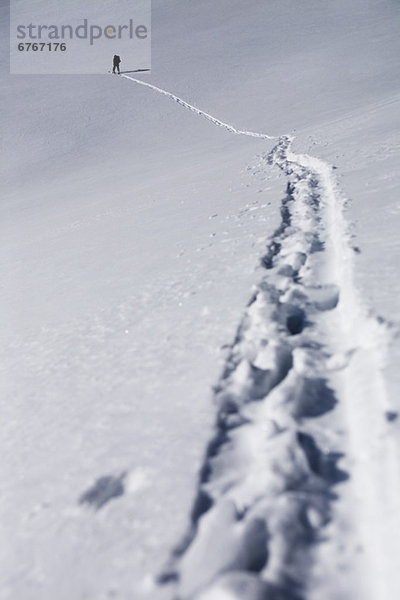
116 62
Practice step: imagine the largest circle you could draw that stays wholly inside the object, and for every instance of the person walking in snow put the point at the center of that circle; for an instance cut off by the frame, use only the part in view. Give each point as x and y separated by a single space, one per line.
116 62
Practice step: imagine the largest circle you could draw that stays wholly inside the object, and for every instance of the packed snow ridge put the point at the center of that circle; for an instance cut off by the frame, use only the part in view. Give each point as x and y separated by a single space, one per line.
268 485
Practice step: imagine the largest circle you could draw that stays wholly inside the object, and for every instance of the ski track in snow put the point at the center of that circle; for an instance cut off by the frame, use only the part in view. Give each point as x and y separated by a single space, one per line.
269 479
201 112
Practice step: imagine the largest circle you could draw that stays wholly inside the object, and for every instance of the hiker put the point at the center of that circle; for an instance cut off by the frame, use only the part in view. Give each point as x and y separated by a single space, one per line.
116 62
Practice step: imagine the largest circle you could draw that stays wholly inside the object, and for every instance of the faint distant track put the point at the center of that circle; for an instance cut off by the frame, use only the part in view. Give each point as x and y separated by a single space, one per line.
202 113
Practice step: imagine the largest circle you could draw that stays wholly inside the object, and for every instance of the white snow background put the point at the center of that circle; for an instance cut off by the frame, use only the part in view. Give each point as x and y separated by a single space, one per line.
132 238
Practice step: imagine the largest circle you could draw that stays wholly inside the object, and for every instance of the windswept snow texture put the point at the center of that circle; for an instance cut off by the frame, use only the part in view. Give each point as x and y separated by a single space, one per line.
139 236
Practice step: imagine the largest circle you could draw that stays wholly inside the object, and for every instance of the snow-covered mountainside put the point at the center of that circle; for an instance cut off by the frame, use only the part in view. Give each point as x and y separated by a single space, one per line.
200 332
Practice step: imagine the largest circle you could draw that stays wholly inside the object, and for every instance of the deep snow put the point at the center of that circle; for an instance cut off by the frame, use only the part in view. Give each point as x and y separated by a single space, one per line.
131 229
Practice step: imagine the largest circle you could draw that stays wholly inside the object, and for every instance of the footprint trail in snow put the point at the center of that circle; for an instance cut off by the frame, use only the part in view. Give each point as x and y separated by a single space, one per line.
271 474
201 113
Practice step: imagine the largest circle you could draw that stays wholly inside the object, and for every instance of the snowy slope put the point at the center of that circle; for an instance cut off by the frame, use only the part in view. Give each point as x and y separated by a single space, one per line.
131 228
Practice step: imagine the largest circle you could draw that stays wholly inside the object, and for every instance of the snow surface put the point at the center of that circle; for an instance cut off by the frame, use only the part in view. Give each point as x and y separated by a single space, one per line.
153 261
